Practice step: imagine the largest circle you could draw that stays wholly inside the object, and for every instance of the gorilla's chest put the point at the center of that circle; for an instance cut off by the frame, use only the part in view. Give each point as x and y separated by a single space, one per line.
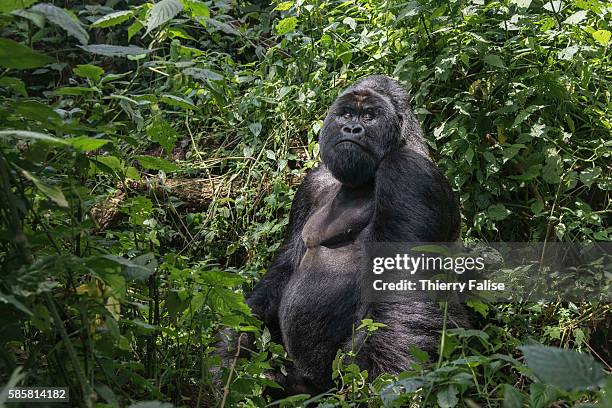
319 304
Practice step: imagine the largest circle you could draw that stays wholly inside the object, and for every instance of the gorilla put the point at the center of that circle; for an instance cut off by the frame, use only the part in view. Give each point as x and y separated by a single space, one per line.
376 184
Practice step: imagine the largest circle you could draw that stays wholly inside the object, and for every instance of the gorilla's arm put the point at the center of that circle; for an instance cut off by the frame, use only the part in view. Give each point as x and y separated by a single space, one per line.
414 203
411 191
265 297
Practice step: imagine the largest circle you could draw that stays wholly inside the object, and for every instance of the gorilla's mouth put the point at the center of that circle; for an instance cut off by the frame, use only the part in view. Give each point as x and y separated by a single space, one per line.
357 143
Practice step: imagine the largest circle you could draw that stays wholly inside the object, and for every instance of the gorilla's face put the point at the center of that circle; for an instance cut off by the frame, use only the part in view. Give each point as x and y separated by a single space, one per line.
361 127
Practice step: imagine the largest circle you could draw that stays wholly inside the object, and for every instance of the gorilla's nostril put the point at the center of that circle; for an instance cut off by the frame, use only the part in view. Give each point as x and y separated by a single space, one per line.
347 129
357 129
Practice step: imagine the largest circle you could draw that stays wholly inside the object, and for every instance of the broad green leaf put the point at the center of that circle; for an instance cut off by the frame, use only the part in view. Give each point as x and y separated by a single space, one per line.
522 3
602 36
6 6
419 354
18 56
75 90
15 84
114 50
134 28
64 20
52 192
156 163
349 21
34 136
541 395
144 265
589 175
494 60
286 25
576 18
552 366
255 128
198 10
202 73
180 102
111 162
163 133
447 397
513 398
87 144
112 19
162 12
36 18
497 212
552 170
284 6
89 71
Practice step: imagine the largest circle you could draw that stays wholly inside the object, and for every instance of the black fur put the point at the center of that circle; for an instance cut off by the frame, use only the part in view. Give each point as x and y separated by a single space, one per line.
376 183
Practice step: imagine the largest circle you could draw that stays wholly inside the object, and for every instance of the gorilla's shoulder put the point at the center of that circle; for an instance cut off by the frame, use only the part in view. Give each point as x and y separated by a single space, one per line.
317 182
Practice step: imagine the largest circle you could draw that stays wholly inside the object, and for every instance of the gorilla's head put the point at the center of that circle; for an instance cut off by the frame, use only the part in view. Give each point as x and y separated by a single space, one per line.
361 127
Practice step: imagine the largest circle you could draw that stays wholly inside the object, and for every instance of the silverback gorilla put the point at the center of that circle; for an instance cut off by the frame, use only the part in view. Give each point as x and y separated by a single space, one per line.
376 183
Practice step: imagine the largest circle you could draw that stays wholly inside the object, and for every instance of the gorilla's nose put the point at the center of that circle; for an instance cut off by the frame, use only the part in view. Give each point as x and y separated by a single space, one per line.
352 130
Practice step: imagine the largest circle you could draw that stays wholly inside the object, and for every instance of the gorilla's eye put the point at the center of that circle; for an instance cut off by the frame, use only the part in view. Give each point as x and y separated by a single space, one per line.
347 115
369 115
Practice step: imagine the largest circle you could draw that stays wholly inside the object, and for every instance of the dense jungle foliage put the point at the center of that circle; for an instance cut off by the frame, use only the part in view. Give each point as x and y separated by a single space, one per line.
150 151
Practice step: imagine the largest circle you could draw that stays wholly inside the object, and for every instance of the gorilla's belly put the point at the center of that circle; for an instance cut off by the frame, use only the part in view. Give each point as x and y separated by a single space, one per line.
319 305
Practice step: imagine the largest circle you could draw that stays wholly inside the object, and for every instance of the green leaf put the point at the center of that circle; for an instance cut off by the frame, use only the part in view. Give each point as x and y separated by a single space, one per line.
7 6
18 56
202 73
576 18
589 176
255 128
87 144
602 36
552 171
419 354
552 366
15 84
497 212
163 133
541 395
52 192
286 25
16 377
198 10
522 3
114 50
177 101
11 300
156 163
89 71
64 20
284 6
134 28
111 163
74 90
144 265
513 398
494 60
112 19
349 21
447 397
162 12
34 136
